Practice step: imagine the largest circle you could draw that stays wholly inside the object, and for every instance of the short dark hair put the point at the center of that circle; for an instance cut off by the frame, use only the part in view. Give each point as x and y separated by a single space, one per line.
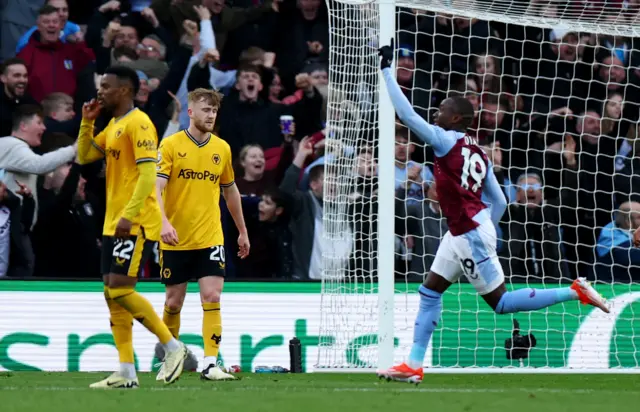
249 68
125 74
126 52
464 108
276 195
46 10
316 172
24 113
11 62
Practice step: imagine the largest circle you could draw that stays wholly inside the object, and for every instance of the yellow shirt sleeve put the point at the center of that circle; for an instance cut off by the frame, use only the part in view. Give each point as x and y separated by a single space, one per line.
90 148
227 178
144 141
144 187
165 159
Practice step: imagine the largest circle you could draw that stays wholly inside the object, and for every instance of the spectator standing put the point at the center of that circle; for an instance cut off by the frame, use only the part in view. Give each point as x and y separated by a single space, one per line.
255 179
17 17
223 17
68 219
304 36
246 118
15 79
59 117
69 32
16 254
307 225
531 233
53 66
271 257
617 260
22 166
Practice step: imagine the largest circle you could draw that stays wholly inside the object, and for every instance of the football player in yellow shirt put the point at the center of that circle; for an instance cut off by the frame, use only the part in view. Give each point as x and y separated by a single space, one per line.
132 220
193 165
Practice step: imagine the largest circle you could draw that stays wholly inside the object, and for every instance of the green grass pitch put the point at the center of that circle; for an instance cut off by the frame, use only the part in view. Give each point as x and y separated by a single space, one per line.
69 392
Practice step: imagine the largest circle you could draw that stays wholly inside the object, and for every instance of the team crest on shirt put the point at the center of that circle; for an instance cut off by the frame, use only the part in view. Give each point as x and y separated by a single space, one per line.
118 133
216 159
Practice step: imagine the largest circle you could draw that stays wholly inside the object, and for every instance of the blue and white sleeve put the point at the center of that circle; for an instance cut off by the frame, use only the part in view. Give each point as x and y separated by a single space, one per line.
434 136
493 197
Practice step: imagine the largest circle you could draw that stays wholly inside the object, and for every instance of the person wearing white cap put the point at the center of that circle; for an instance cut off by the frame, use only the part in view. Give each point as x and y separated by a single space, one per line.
21 164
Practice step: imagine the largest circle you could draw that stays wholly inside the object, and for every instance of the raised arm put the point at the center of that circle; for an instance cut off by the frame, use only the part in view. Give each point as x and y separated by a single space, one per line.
493 197
90 148
23 160
432 135
435 136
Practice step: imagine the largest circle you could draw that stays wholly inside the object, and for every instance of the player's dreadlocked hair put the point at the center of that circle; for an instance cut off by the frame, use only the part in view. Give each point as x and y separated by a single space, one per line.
464 108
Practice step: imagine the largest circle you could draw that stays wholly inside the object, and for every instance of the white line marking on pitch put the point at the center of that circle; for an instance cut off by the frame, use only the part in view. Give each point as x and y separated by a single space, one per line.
353 389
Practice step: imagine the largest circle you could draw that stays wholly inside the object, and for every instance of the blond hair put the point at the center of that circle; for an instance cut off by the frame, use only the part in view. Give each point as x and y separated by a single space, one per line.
211 97
54 101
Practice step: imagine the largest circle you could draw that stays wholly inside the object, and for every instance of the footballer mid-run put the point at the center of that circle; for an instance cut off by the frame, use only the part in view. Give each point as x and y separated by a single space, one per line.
462 175
132 219
193 165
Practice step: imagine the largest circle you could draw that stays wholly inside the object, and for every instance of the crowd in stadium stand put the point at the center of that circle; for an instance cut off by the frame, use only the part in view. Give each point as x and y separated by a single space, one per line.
557 112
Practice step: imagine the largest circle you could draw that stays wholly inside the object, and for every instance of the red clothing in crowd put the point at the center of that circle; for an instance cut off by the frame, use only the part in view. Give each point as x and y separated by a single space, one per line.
53 67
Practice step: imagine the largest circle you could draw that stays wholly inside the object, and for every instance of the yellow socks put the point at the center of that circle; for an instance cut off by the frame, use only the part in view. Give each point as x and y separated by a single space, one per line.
211 329
171 318
142 311
122 329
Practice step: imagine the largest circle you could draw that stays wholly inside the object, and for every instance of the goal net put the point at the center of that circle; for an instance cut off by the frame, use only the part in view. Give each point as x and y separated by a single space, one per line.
555 85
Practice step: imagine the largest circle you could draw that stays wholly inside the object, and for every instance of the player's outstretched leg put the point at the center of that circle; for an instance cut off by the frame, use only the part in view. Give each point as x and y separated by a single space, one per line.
523 300
210 291
427 319
141 309
122 329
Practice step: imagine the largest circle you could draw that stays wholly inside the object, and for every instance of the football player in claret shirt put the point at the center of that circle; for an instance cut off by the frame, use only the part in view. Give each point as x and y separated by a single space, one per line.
193 166
132 220
473 203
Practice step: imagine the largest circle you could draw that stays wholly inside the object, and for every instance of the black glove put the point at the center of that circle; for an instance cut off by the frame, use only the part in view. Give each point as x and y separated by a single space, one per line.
386 52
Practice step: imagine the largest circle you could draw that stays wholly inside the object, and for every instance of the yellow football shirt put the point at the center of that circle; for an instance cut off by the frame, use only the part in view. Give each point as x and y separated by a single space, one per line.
125 142
195 172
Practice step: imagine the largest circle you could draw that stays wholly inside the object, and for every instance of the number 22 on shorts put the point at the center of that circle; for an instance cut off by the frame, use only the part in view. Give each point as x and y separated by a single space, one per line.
123 248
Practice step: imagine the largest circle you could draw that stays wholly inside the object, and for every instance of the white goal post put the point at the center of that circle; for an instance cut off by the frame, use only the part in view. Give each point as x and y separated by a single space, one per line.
380 233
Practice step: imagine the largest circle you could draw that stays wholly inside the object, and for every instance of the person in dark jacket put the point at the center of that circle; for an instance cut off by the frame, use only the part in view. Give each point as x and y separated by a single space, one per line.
15 78
307 208
69 222
246 118
16 253
267 222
